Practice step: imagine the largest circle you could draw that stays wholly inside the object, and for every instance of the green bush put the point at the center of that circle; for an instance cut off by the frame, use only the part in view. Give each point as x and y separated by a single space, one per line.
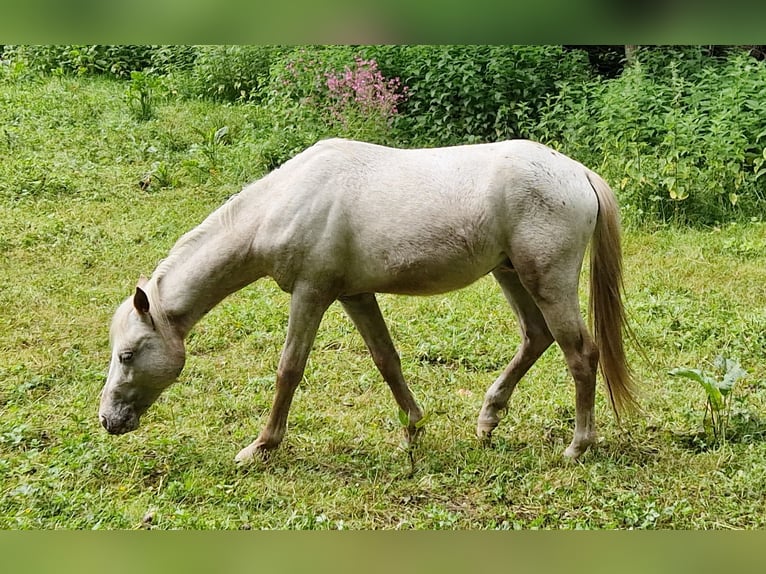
686 145
466 94
141 94
83 59
168 59
115 60
231 73
316 92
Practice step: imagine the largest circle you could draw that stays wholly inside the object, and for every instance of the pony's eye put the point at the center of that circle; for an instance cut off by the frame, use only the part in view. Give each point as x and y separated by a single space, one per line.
126 356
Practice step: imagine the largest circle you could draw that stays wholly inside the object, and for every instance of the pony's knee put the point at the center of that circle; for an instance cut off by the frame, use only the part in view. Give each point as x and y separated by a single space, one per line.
582 358
289 376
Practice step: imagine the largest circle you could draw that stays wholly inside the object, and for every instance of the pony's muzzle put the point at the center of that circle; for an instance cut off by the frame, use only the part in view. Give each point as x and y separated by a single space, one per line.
113 426
105 423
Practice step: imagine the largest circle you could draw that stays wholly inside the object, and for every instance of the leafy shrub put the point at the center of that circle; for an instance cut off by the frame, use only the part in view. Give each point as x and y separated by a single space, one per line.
464 94
317 92
83 59
231 73
680 133
687 144
168 59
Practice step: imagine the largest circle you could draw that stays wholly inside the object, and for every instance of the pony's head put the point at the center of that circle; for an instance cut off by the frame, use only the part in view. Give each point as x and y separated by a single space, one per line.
147 356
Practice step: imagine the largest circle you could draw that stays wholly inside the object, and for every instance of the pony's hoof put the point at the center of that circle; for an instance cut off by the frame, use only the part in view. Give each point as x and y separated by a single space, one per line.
255 452
412 435
484 432
575 450
571 453
485 439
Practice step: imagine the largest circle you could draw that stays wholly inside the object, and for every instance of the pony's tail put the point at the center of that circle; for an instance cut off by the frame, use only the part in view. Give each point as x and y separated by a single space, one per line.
606 310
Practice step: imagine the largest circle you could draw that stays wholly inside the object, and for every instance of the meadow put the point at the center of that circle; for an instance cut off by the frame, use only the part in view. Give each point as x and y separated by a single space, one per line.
92 196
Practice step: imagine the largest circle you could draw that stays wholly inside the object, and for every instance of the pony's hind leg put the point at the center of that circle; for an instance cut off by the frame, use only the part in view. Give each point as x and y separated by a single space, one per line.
307 306
550 273
365 313
561 310
535 339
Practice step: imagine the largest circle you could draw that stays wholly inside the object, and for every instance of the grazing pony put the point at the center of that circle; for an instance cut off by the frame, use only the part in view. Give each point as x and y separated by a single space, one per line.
344 220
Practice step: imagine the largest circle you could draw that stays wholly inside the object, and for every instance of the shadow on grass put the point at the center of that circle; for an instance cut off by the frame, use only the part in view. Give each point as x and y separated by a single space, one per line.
744 428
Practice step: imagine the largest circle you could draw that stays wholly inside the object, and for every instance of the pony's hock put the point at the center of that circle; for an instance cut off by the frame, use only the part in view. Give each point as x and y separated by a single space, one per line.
345 220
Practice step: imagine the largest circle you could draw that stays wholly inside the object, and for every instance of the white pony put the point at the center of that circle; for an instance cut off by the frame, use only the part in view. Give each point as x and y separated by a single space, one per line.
344 220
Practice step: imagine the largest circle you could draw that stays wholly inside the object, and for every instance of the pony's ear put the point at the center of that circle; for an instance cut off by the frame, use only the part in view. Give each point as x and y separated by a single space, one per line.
142 281
141 301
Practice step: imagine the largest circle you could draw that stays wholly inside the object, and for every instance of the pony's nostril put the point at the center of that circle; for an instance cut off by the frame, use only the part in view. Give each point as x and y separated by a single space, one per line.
104 421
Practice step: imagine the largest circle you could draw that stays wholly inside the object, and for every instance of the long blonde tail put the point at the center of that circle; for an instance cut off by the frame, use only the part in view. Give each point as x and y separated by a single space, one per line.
606 310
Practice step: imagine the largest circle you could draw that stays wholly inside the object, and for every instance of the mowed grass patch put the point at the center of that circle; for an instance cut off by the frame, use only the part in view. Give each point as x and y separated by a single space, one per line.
70 253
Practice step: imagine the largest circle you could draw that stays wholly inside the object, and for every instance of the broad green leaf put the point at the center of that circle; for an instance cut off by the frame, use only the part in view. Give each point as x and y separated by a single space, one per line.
694 374
714 395
732 373
708 383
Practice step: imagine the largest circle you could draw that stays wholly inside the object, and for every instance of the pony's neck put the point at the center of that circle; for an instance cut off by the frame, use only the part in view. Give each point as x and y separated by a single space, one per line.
205 266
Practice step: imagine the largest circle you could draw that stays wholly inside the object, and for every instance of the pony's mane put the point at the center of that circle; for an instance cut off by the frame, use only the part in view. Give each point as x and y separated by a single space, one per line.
221 217
156 309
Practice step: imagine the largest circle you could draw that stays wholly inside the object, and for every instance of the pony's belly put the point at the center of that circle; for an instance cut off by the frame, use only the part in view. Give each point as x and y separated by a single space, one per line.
430 279
420 286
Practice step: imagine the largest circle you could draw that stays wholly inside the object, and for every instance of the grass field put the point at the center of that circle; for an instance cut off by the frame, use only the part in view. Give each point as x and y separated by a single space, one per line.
90 198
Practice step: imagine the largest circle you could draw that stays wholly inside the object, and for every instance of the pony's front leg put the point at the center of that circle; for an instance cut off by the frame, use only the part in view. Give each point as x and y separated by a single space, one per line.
365 313
307 306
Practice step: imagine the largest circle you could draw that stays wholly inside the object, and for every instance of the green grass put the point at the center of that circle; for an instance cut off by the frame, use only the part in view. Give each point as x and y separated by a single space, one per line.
77 229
